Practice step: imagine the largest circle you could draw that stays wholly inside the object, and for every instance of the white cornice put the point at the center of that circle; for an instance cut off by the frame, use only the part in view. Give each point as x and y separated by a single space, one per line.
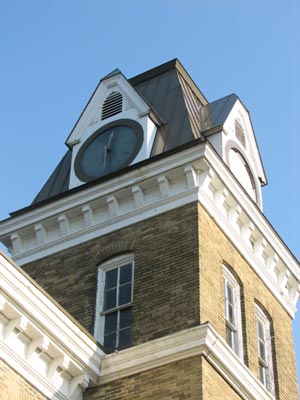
32 324
203 341
114 185
194 174
250 208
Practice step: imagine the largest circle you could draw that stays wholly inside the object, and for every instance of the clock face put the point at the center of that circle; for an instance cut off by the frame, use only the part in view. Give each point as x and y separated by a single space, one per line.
109 149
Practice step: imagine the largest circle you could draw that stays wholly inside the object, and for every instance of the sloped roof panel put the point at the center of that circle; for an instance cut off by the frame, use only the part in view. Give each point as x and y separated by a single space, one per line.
193 105
165 93
58 181
214 114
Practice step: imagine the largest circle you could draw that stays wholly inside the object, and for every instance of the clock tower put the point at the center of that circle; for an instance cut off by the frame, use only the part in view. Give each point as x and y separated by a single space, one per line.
150 242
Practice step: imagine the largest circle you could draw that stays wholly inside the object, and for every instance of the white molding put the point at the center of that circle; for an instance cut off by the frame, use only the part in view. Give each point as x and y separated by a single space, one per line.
32 324
194 174
250 208
41 383
203 341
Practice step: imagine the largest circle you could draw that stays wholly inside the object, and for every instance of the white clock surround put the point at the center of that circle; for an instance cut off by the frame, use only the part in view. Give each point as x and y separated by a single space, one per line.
133 108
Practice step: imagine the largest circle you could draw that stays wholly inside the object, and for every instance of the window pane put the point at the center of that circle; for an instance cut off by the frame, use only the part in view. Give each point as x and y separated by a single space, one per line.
230 293
125 338
125 274
262 350
231 314
110 341
262 374
110 299
110 323
125 318
111 278
125 294
260 330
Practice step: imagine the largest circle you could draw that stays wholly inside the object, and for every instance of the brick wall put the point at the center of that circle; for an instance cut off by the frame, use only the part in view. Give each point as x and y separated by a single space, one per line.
170 251
175 381
214 387
216 249
193 378
14 387
166 287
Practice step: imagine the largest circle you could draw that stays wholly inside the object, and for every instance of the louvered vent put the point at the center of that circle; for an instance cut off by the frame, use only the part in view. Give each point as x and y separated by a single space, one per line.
112 105
239 133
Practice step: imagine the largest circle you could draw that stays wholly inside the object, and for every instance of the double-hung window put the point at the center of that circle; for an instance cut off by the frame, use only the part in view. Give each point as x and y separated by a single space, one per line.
263 328
114 303
233 318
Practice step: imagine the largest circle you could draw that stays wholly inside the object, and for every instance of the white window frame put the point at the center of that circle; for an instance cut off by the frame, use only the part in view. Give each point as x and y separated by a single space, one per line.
267 363
235 328
113 263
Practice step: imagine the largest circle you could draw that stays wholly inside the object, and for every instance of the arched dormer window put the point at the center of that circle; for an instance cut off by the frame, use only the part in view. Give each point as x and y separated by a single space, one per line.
233 314
264 349
114 303
112 105
242 171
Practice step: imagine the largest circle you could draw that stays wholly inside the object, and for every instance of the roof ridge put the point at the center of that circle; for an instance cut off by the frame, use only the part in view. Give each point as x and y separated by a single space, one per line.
160 69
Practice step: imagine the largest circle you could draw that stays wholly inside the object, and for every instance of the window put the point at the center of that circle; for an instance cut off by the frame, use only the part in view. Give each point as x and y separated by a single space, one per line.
264 345
114 303
234 336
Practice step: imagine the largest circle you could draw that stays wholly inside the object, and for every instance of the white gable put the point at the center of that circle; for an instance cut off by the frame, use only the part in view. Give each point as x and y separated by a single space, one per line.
114 99
133 105
237 146
239 114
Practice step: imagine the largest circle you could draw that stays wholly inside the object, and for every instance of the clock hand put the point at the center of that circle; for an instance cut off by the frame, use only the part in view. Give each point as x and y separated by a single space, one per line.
104 157
109 141
107 149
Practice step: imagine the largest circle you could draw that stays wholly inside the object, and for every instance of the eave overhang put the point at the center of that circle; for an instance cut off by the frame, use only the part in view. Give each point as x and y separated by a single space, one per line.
194 172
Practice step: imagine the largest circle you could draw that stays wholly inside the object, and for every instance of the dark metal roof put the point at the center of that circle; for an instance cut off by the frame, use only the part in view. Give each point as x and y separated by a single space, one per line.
213 115
58 181
175 102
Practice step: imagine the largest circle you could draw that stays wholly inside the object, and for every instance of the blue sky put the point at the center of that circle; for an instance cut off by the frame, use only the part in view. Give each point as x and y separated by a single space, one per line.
53 54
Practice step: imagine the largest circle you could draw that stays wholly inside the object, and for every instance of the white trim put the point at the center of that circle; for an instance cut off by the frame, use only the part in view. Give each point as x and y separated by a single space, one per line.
47 329
203 341
252 210
30 374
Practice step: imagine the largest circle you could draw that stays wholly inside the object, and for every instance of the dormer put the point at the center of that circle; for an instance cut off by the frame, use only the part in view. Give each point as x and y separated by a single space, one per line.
116 129
227 125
